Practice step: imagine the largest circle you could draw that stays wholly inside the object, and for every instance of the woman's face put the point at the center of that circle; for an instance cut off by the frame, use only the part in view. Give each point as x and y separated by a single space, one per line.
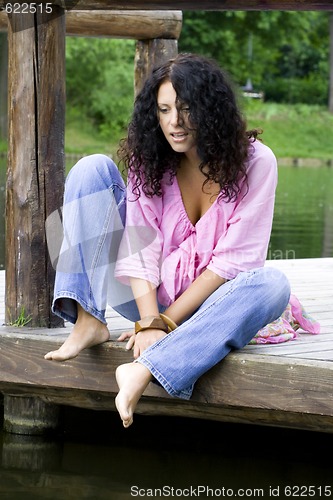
177 131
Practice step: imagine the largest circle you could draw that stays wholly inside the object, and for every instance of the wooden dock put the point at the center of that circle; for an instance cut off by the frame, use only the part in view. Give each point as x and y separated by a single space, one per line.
288 385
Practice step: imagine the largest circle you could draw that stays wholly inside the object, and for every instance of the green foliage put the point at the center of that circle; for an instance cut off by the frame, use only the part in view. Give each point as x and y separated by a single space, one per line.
113 112
283 53
100 81
309 89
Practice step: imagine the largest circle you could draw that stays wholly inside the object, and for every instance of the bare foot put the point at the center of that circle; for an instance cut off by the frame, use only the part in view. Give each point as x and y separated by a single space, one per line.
132 379
87 332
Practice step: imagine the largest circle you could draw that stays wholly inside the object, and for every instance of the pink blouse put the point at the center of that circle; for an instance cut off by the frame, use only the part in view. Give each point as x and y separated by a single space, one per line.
161 245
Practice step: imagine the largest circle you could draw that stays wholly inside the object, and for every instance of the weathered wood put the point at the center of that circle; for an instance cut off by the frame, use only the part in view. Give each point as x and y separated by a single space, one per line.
148 54
3 87
156 404
137 25
274 385
90 5
29 416
35 160
119 24
190 5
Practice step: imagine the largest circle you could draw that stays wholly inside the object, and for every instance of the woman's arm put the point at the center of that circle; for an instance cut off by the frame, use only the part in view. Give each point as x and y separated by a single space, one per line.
146 299
194 296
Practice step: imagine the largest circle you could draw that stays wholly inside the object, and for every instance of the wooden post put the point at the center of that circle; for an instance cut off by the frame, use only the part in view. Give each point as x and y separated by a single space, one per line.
3 86
35 177
150 53
29 416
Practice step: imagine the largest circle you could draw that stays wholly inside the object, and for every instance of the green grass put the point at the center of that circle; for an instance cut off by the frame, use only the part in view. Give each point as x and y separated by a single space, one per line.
292 131
81 137
22 320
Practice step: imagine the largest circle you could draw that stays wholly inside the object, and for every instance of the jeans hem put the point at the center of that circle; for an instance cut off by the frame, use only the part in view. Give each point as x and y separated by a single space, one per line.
73 296
183 394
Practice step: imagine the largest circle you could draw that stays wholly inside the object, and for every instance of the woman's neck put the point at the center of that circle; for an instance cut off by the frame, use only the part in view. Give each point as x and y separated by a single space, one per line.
190 161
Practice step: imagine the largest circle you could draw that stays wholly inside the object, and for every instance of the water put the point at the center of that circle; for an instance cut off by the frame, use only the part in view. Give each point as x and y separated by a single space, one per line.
93 457
303 220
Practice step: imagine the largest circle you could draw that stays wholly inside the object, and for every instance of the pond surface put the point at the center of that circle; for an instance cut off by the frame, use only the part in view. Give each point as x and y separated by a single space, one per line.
303 220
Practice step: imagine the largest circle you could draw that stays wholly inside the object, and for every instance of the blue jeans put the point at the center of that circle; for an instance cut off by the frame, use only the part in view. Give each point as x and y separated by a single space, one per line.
94 215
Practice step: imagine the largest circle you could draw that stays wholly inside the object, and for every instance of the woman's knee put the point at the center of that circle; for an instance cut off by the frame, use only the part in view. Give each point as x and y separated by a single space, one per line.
95 172
93 175
275 286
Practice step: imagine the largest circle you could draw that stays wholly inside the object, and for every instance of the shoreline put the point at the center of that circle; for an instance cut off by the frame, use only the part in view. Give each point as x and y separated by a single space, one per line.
283 161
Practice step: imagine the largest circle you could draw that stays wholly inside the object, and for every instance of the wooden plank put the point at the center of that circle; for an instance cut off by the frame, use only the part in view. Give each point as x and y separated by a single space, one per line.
269 382
137 25
293 411
299 5
35 157
298 350
254 381
325 355
148 405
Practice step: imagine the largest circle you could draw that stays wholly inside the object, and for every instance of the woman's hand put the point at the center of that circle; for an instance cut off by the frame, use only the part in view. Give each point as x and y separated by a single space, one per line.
141 341
126 335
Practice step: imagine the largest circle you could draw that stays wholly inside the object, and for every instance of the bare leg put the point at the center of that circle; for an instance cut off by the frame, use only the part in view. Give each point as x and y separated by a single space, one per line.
132 379
87 332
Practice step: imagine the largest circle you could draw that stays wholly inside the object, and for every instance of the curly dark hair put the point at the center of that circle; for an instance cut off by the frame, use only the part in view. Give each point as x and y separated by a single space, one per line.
221 137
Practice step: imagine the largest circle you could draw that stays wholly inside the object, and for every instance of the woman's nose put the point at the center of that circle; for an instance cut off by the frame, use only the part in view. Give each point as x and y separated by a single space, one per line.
174 117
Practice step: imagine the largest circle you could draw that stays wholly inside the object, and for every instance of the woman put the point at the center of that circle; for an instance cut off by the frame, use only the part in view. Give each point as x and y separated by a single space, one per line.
199 215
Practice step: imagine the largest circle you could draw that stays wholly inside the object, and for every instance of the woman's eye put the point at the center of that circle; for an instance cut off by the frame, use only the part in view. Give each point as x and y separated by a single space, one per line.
163 110
185 109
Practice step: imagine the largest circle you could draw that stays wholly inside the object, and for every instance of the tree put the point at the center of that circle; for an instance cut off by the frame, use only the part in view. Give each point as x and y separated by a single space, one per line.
100 76
289 50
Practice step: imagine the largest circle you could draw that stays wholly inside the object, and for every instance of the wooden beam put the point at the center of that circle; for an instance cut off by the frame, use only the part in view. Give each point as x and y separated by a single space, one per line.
137 25
35 174
208 4
188 4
